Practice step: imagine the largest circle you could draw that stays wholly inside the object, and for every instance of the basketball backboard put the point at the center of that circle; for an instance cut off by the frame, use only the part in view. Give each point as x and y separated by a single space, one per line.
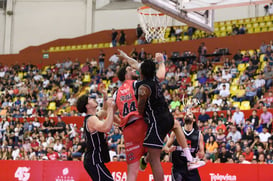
197 13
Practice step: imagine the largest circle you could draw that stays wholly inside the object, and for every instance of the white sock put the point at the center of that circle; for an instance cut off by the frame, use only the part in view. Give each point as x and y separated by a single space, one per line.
188 155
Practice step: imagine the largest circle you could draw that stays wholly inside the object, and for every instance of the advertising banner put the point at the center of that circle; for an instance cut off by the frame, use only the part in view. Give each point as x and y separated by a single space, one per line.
229 172
74 171
20 170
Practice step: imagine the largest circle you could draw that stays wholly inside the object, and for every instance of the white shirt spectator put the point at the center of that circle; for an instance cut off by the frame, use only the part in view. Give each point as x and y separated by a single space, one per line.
112 154
38 77
259 83
227 76
66 89
29 111
44 144
220 86
10 104
264 137
66 75
16 131
224 93
233 71
238 118
190 90
178 31
270 8
169 75
72 101
245 162
114 59
93 86
73 132
110 73
36 124
49 140
2 73
5 125
45 83
68 64
15 153
58 65
57 147
236 136
17 78
217 101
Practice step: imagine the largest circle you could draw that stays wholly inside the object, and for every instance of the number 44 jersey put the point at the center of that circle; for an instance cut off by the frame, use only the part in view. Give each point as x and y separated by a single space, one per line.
126 102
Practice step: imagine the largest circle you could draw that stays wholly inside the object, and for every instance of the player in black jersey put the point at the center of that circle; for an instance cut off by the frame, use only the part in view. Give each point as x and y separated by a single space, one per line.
152 105
96 153
180 170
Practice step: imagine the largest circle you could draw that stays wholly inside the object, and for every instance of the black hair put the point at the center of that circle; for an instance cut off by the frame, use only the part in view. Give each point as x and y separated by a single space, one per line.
121 73
148 69
81 103
189 120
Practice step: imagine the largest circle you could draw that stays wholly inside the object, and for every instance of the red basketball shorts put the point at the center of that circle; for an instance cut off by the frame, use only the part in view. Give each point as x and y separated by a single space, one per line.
134 135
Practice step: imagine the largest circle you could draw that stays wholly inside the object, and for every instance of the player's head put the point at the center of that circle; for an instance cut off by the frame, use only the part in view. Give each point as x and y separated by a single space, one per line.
127 73
86 102
189 118
148 69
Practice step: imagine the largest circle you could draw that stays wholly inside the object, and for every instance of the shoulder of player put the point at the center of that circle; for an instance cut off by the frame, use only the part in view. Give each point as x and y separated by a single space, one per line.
91 121
144 90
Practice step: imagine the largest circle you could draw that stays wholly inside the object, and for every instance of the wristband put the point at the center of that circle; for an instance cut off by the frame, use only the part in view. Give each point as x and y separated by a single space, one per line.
162 61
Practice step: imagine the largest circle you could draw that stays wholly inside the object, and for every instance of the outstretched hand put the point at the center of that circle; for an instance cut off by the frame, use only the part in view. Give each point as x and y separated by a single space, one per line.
110 103
200 154
122 54
159 57
167 149
102 89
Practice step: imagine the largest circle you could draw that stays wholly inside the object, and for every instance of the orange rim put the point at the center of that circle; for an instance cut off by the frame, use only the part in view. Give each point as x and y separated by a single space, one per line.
139 10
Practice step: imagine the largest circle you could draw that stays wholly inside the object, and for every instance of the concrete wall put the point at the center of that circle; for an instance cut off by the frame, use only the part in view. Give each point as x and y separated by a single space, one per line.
35 22
118 19
2 29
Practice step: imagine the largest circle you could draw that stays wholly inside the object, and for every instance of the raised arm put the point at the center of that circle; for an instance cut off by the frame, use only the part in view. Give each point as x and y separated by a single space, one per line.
132 62
161 69
94 124
201 152
103 113
143 94
168 146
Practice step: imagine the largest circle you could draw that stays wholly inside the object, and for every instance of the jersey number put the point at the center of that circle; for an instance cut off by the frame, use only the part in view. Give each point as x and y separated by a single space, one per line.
127 109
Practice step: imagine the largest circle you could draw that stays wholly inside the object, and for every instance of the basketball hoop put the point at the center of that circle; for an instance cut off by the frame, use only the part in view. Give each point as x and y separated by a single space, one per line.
153 23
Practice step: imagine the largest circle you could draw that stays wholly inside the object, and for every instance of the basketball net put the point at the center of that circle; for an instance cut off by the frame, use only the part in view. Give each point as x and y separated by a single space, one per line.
153 23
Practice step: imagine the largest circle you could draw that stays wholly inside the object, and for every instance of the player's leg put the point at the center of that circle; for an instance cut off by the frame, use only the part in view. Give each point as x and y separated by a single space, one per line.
181 139
176 174
190 175
91 170
104 173
154 141
154 159
134 146
132 170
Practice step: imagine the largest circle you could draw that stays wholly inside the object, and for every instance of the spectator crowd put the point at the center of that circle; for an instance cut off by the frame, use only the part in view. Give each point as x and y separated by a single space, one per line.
32 91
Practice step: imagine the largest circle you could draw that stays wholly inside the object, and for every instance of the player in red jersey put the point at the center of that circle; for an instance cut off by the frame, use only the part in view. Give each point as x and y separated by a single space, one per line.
132 124
152 105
